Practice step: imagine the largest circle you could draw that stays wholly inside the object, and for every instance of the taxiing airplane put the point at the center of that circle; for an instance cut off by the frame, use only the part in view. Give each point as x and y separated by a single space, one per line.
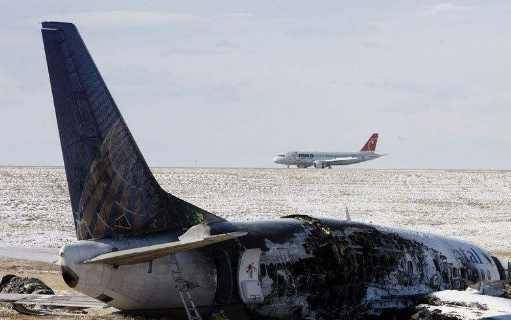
305 159
141 249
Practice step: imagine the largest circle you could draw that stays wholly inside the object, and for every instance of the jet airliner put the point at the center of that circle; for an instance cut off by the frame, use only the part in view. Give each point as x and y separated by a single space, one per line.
305 159
141 249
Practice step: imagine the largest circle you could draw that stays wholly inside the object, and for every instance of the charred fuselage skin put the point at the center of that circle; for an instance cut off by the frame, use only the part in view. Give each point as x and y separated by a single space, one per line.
328 269
308 269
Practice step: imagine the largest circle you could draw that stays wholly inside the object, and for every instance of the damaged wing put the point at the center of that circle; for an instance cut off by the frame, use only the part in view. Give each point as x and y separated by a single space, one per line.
149 253
75 300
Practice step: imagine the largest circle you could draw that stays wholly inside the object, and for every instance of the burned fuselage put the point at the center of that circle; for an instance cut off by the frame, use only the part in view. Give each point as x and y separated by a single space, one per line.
328 269
297 267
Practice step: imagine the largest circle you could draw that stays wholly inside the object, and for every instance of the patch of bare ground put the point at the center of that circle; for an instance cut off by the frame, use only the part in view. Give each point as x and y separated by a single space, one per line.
48 273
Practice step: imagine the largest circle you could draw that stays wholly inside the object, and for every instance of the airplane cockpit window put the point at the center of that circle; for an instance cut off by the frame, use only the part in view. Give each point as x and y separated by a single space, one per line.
281 155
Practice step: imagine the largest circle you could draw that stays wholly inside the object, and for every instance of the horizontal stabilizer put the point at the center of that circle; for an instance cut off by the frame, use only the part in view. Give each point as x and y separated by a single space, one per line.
149 253
75 300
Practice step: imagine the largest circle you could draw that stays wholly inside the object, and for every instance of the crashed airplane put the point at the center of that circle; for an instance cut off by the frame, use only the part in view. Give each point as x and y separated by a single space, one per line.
141 249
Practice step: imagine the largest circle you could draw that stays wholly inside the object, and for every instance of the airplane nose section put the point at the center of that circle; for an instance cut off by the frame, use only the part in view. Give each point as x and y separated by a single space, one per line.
277 159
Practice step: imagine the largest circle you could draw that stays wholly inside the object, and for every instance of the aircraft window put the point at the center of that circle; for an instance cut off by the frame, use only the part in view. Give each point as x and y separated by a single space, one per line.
410 267
488 275
483 277
281 155
305 155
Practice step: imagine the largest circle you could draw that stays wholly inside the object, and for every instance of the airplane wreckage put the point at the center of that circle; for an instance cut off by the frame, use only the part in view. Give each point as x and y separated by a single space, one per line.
141 249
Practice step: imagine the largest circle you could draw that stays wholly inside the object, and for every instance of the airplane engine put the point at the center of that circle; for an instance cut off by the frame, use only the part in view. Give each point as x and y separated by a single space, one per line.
320 164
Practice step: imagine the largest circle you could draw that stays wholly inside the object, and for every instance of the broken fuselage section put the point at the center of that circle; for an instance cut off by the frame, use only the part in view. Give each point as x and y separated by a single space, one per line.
297 267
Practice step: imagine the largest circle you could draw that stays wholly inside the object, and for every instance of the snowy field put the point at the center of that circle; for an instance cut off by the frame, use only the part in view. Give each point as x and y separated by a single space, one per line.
471 205
470 305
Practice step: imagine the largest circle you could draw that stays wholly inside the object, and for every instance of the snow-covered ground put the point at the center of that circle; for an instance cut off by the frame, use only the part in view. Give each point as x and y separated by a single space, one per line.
470 305
470 205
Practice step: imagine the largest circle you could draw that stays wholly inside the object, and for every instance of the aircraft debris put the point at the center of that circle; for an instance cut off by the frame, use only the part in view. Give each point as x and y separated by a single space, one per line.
466 305
23 285
31 296
435 314
13 284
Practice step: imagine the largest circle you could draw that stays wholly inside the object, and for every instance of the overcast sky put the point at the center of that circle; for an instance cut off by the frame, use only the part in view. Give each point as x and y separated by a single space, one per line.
231 83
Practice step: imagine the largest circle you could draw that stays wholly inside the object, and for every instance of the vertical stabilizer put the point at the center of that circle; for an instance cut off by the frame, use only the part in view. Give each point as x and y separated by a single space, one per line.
112 190
371 143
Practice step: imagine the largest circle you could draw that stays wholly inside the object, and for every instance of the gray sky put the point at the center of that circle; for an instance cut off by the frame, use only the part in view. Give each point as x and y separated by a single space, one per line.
231 83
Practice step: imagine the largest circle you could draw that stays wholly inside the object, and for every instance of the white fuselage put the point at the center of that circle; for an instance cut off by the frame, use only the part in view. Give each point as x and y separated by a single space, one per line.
147 286
304 159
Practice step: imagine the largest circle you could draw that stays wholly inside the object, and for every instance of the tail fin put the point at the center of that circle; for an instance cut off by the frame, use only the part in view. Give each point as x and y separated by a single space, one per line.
112 190
371 143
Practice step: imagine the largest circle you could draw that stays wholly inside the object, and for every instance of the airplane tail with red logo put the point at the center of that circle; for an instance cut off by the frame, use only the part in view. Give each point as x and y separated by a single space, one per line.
371 143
